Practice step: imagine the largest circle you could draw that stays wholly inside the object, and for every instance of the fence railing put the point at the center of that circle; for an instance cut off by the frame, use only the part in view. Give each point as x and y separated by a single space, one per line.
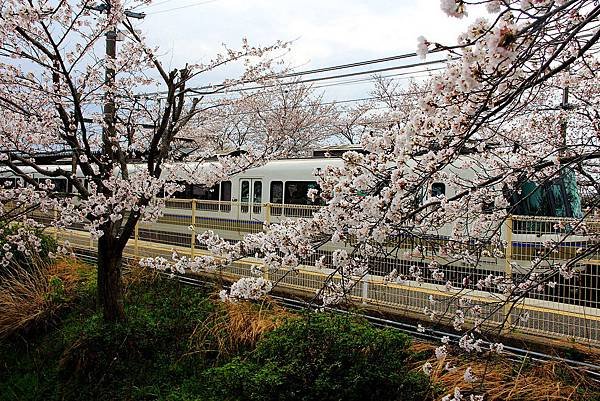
571 309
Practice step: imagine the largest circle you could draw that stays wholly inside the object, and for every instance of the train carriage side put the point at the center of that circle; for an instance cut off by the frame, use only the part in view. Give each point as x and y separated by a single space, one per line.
242 204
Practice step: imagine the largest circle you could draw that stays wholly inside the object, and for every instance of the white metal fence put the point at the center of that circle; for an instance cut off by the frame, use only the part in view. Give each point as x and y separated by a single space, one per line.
571 310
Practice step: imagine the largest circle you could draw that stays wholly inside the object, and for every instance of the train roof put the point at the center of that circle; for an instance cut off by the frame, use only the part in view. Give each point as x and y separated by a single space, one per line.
274 168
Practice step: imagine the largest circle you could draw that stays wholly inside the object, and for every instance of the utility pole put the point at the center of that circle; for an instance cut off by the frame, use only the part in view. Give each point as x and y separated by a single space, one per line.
563 124
108 133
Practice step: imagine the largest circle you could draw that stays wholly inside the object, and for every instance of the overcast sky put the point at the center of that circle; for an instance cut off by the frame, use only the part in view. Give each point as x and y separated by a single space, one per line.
324 32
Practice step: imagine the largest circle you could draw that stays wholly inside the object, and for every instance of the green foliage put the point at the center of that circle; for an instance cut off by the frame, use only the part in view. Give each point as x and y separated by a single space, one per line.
57 290
143 357
324 357
150 357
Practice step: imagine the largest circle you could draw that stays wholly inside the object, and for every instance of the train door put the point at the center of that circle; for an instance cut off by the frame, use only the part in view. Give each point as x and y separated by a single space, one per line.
251 199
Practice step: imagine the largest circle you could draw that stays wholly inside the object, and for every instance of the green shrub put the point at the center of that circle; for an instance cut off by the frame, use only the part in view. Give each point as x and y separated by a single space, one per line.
145 357
322 357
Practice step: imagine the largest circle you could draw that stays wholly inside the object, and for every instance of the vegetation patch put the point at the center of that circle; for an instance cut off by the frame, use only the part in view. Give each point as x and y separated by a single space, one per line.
180 343
32 298
322 357
237 326
498 379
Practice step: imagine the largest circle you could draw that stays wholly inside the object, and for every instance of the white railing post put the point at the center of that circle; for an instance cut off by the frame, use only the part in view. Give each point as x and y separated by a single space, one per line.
136 239
193 239
364 293
267 213
508 271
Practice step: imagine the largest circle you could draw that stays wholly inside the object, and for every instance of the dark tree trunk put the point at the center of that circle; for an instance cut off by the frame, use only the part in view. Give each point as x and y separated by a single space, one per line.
110 287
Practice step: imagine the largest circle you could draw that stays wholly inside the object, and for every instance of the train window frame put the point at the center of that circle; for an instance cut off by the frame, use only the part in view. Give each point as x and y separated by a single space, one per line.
198 192
437 189
246 199
224 185
271 198
64 185
307 201
257 196
14 182
54 181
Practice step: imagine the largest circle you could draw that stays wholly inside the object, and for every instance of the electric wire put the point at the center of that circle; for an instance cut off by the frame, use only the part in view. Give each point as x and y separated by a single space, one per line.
181 7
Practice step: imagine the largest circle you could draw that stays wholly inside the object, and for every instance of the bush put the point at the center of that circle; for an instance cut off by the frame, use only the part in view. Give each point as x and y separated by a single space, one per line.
321 357
146 357
32 298
235 327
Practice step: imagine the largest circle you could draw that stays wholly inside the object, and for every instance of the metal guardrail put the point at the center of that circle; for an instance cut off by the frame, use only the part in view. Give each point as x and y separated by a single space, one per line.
571 310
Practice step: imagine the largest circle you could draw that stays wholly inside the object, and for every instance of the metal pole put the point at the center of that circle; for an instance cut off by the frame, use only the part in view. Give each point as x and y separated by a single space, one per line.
508 271
193 239
563 124
267 213
108 131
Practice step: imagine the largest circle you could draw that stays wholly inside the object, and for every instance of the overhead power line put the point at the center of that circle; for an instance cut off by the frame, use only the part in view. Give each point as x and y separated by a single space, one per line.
218 88
403 75
352 65
352 74
181 7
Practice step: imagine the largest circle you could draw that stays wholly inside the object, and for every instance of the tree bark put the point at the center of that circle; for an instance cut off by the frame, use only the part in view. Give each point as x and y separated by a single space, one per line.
110 287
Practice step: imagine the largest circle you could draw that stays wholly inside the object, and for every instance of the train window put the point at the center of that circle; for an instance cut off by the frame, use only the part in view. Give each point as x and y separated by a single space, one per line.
185 193
276 192
202 192
60 184
296 192
256 196
225 196
245 192
488 207
558 197
85 183
9 182
257 193
438 189
226 191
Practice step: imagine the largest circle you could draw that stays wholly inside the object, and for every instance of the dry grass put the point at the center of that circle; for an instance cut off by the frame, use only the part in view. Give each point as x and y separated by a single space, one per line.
134 274
502 380
33 298
235 326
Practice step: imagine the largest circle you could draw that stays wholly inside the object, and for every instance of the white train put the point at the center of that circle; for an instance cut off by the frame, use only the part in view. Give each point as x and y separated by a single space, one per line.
278 190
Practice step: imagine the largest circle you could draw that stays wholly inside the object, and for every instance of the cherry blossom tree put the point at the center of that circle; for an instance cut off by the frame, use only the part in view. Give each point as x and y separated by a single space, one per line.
495 127
491 124
353 123
59 92
281 116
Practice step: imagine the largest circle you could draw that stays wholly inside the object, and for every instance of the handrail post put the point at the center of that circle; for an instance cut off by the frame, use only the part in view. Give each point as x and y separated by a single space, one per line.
364 293
508 271
193 239
267 213
55 225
